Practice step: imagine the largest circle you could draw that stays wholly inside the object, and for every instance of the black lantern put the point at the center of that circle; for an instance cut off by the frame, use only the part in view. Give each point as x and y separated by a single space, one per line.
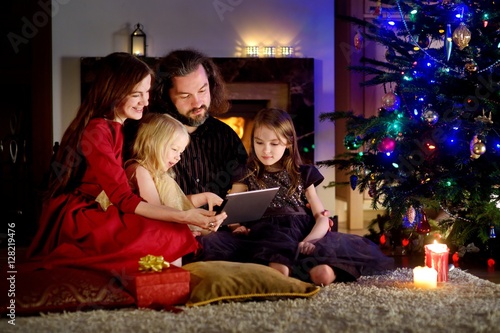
138 41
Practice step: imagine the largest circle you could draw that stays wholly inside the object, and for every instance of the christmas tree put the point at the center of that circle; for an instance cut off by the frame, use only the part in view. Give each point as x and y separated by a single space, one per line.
435 141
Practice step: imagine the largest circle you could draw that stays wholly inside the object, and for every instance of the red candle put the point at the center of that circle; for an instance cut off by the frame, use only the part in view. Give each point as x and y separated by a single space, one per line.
436 256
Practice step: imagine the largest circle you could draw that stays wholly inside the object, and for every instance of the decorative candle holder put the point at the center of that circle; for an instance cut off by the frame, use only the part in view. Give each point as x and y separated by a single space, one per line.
436 256
287 51
252 51
269 51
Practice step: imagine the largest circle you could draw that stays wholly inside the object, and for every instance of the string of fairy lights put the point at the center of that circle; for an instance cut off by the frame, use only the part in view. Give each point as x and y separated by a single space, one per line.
447 211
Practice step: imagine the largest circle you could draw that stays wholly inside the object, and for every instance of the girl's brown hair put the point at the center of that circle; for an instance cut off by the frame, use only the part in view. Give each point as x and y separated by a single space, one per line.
282 124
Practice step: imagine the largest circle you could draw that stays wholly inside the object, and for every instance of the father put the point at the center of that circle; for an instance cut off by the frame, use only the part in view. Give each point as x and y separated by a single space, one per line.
190 88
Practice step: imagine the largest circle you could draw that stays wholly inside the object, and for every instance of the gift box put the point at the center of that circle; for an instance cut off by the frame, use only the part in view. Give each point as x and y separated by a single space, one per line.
152 289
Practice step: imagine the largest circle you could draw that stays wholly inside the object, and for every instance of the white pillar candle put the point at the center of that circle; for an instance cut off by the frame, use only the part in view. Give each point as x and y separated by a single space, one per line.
425 277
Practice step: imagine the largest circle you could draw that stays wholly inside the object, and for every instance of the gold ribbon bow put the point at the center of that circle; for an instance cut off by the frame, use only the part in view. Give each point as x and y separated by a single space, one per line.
152 263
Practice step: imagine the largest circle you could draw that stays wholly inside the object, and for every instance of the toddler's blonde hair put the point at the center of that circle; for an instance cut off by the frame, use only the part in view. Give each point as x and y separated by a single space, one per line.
156 133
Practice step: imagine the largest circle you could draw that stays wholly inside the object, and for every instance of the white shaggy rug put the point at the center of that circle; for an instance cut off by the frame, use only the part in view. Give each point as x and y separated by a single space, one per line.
385 303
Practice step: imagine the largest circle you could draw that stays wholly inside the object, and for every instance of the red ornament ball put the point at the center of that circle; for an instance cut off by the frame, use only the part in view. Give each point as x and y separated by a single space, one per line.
358 41
382 239
387 145
491 262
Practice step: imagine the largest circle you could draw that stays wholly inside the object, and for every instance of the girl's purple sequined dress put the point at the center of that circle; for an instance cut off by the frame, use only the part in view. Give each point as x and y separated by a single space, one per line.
287 221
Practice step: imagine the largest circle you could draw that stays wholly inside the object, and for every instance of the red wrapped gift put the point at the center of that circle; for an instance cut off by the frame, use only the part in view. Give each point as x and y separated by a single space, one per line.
163 287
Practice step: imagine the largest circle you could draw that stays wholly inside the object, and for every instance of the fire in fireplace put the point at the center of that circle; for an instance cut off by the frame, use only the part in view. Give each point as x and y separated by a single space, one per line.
240 118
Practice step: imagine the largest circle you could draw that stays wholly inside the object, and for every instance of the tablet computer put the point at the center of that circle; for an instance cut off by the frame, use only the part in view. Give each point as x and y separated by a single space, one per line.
246 206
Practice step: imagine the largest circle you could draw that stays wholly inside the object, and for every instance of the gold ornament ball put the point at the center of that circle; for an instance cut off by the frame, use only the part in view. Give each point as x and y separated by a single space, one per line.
461 36
390 101
471 67
479 148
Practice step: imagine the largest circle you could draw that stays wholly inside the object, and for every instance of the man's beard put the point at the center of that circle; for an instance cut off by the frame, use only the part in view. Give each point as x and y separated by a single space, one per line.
194 122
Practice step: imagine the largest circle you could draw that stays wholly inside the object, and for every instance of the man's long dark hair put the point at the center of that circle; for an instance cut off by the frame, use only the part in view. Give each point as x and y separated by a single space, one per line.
181 63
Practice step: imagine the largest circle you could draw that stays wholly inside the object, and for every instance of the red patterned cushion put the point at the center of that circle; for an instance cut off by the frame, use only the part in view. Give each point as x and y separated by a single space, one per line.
62 289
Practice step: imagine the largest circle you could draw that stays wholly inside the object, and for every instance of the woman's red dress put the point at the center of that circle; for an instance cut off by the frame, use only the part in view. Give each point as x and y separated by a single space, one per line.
75 231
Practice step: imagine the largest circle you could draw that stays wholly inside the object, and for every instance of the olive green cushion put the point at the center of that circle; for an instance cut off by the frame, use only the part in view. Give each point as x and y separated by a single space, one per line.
218 281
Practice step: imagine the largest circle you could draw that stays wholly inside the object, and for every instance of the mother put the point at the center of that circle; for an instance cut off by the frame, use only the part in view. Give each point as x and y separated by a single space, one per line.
91 217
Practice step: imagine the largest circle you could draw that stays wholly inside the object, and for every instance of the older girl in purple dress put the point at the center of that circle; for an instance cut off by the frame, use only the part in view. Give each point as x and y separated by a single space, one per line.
291 237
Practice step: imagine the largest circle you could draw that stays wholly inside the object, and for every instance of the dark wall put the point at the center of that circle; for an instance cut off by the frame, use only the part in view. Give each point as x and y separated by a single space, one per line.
26 116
